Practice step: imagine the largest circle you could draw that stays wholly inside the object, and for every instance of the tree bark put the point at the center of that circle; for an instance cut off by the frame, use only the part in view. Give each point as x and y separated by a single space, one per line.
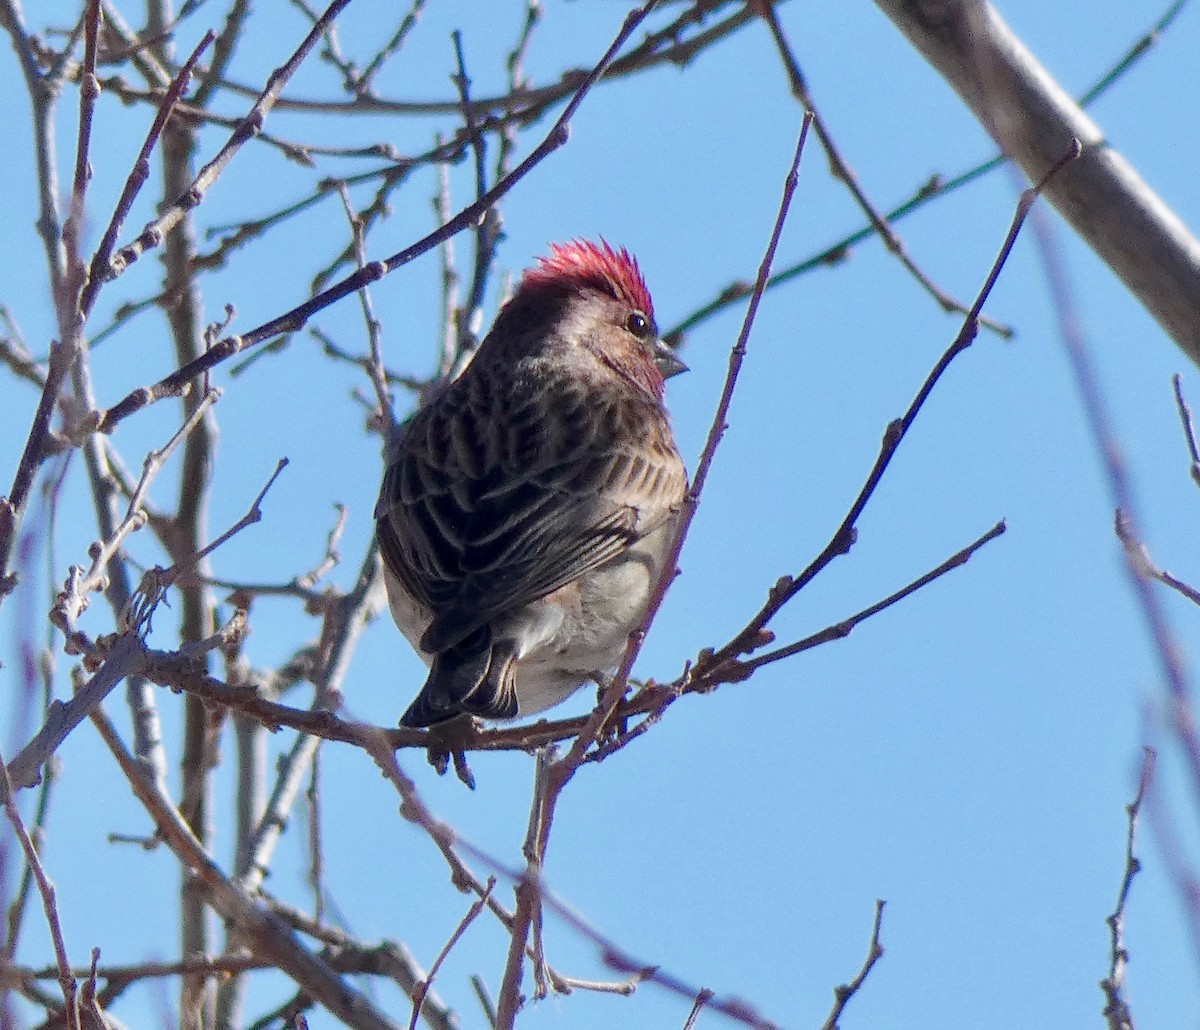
1033 120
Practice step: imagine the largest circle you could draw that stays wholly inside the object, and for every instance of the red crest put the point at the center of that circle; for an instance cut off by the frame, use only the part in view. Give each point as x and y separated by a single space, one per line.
585 263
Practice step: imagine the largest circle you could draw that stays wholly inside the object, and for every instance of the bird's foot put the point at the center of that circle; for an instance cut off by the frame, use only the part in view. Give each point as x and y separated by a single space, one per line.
448 742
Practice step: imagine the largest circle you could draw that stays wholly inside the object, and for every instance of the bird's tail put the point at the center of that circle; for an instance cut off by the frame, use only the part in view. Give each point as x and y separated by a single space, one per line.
474 677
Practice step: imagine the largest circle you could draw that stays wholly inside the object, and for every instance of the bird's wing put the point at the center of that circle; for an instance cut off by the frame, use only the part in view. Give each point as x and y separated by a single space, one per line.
482 514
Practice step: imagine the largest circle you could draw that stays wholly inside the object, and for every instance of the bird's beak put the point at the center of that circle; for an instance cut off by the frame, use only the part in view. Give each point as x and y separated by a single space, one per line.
667 363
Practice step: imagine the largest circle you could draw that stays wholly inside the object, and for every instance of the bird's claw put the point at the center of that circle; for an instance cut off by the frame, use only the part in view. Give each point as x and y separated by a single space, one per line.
448 741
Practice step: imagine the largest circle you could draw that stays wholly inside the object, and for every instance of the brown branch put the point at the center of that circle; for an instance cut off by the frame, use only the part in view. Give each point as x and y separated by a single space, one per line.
422 989
843 993
751 637
1116 1009
843 629
1189 428
293 320
263 932
137 177
49 904
373 364
842 170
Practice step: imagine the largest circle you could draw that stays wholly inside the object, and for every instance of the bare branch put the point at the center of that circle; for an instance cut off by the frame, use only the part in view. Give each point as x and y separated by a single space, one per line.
752 636
842 170
266 933
422 989
66 979
293 320
845 992
1033 119
249 127
1116 1009
1189 428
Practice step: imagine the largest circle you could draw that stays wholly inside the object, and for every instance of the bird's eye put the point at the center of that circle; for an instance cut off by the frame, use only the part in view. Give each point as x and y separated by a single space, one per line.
639 325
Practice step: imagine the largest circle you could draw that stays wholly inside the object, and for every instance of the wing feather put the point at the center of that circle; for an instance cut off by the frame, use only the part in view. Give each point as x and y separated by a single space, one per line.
475 522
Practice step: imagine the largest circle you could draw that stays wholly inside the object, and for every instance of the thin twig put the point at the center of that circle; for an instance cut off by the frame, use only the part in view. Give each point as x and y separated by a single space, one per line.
702 999
1139 554
422 989
487 230
1116 1009
1165 647
484 998
844 992
373 365
751 637
293 320
1189 428
842 629
841 170
65 978
390 48
137 177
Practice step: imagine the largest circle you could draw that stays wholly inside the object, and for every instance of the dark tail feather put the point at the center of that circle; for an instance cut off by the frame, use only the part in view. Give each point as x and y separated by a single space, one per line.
474 676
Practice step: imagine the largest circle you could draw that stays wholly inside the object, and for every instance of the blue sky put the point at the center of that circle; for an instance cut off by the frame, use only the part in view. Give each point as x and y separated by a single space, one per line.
966 755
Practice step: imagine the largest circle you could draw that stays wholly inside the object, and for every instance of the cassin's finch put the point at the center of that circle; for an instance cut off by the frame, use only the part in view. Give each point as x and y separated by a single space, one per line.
527 510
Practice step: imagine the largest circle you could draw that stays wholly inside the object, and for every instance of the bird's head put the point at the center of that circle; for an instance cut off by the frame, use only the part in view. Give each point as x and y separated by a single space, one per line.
591 296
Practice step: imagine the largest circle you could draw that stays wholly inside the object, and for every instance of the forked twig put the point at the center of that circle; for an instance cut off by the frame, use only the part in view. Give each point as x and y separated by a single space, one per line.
559 772
293 320
750 638
843 629
842 170
157 581
422 989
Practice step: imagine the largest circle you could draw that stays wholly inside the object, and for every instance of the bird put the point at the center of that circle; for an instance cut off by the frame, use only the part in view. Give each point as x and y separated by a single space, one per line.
528 507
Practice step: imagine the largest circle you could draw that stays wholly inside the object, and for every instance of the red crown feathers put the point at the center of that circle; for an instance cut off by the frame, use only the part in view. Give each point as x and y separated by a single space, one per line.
597 265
